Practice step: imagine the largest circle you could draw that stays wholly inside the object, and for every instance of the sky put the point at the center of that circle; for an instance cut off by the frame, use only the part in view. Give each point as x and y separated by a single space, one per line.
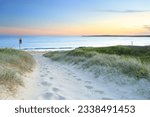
74 17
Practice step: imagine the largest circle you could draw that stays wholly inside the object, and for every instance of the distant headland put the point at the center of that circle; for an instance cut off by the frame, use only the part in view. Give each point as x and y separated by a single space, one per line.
115 35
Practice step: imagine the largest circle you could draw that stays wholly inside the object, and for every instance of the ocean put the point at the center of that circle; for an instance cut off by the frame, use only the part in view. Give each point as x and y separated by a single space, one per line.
68 42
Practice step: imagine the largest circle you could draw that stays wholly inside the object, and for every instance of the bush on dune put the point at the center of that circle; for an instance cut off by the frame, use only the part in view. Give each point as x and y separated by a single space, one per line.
81 53
127 65
18 59
55 55
10 80
129 60
14 63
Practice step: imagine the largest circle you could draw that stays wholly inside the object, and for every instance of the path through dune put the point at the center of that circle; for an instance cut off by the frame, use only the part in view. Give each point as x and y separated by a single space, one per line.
58 81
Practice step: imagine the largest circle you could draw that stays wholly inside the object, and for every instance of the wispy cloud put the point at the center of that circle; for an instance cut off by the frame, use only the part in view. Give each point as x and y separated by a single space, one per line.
147 27
123 11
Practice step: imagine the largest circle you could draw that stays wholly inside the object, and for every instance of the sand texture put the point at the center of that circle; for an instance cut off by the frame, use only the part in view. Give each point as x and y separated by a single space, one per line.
57 81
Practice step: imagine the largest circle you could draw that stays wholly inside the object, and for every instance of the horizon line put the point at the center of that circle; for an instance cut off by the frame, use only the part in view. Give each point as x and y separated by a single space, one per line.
86 35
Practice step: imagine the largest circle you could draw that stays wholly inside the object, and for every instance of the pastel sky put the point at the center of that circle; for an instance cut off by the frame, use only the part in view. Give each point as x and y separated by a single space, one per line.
74 17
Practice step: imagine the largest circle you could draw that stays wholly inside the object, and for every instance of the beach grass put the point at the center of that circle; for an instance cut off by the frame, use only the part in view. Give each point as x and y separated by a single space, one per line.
13 64
133 61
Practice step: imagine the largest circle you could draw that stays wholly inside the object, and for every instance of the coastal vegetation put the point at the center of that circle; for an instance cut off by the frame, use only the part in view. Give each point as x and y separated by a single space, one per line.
132 61
13 65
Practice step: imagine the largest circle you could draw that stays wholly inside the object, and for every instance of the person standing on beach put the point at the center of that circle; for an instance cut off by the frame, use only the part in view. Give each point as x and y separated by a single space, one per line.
20 42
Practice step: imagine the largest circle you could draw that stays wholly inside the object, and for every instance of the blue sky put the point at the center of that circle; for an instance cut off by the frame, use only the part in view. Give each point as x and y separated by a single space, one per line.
67 16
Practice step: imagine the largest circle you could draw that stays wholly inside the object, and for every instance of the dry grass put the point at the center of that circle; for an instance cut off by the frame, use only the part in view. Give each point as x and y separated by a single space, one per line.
118 59
13 64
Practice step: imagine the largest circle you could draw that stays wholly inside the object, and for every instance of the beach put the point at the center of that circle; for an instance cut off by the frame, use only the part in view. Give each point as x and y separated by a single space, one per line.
84 73
53 80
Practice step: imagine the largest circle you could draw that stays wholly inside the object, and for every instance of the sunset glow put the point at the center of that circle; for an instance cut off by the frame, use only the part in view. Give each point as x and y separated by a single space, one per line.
74 17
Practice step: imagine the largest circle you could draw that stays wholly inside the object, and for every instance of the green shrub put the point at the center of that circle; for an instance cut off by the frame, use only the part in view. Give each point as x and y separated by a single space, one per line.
129 60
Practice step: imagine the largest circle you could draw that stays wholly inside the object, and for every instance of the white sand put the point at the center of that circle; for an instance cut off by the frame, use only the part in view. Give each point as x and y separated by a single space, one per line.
58 81
52 80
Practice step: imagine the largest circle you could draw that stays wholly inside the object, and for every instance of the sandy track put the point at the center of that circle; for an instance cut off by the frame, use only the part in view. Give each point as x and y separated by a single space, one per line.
53 80
56 81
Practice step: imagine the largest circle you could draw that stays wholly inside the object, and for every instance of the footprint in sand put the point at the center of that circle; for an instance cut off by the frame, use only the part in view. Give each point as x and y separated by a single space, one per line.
88 82
106 98
48 71
45 68
51 78
45 83
89 87
100 92
74 76
78 79
71 74
48 95
55 89
42 75
46 74
59 97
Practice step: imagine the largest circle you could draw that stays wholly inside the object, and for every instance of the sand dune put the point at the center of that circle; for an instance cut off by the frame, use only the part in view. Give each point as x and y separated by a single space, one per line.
56 81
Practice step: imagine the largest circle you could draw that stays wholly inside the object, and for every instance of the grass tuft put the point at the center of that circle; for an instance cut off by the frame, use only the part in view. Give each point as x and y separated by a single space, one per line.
13 64
132 61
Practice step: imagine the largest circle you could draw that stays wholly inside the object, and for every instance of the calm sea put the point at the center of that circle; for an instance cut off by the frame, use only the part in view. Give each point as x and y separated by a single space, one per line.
68 42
